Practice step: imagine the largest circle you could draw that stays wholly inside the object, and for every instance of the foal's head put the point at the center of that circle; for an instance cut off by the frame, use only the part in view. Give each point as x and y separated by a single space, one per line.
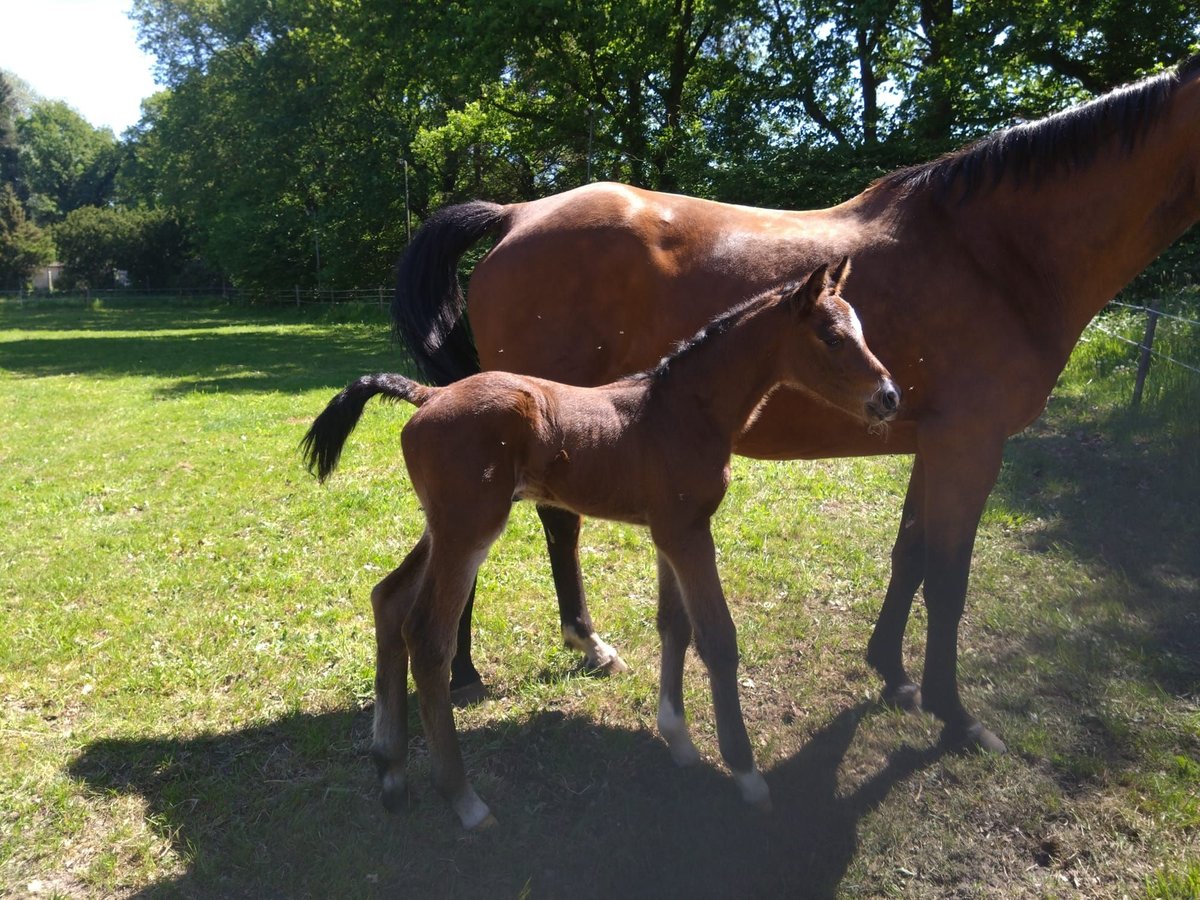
831 358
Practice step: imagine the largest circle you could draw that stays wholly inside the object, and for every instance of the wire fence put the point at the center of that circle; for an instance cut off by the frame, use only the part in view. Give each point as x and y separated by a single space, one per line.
1147 352
381 296
295 296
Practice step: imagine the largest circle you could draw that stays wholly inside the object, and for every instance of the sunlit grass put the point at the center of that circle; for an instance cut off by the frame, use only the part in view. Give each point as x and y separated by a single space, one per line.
186 661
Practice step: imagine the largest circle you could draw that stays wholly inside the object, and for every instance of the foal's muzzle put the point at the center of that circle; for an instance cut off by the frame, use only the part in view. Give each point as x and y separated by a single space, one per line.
886 402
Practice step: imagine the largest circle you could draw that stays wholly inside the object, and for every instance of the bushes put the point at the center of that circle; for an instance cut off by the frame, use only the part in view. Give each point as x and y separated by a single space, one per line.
151 246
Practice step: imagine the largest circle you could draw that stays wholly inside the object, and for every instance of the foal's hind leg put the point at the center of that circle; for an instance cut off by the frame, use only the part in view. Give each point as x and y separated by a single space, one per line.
675 632
391 601
429 632
562 543
693 558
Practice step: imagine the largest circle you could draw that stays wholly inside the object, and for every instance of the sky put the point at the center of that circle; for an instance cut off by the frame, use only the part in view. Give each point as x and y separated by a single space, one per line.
82 51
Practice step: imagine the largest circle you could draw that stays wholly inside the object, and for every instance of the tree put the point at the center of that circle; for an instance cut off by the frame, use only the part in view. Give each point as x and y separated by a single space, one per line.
159 250
286 124
8 130
23 246
64 162
93 242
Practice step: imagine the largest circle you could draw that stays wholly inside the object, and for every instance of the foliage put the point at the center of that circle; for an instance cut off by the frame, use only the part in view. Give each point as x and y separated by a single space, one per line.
23 246
64 162
8 130
151 246
287 125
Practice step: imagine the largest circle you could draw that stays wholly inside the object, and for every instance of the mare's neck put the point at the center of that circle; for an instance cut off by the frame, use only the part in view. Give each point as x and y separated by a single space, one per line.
1066 244
726 377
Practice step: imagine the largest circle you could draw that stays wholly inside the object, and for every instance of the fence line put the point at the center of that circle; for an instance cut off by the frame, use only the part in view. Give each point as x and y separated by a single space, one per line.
301 296
293 296
1146 346
1142 346
1158 312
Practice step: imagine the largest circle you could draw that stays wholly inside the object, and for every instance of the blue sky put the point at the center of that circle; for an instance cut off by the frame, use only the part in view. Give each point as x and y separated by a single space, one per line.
82 51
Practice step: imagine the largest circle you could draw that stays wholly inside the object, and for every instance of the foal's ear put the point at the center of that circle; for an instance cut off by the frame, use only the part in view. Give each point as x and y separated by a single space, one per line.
839 275
810 290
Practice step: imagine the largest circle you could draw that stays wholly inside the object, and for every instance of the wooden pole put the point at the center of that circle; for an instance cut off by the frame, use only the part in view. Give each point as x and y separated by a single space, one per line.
1144 359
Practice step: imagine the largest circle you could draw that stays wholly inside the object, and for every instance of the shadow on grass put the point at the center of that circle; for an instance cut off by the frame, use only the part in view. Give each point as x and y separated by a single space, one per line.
290 808
1117 497
172 314
267 360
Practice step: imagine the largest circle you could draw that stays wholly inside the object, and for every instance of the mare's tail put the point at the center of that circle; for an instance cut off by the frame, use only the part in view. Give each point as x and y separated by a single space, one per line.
429 309
322 446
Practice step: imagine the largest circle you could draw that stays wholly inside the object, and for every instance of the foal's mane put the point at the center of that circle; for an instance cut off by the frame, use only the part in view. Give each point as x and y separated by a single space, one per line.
1034 150
715 327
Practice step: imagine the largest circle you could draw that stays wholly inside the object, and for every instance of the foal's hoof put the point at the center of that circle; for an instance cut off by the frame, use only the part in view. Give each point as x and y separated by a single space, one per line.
683 752
393 792
906 697
468 694
488 821
754 789
473 812
973 737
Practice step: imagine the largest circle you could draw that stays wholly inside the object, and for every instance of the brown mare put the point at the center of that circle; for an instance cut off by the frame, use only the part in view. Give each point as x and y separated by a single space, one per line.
1018 241
651 449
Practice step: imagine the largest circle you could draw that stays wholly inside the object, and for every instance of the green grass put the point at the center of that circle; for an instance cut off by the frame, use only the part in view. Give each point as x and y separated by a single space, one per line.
186 657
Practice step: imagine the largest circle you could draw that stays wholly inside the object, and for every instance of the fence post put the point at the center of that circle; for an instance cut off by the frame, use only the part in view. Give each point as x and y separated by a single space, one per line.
297 287
1144 358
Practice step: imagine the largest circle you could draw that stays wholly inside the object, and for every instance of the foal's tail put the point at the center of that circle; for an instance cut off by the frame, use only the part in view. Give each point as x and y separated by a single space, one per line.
429 309
322 446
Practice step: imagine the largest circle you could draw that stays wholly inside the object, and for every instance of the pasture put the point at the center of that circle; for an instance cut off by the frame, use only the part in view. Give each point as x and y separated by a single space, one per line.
186 657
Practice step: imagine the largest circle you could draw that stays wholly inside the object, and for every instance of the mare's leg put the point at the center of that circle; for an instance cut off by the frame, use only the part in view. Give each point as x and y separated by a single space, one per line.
885 650
562 543
960 470
675 632
391 601
466 684
692 556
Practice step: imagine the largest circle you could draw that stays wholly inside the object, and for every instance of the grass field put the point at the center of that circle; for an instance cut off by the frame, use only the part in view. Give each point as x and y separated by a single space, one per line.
186 653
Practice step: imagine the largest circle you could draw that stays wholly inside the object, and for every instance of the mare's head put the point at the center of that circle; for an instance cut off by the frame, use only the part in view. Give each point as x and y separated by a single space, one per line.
828 354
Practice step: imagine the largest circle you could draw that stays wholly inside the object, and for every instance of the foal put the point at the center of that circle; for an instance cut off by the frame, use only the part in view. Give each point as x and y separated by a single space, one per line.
652 449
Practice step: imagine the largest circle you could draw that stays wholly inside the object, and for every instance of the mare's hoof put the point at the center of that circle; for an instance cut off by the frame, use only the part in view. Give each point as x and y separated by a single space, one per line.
599 656
468 694
906 697
612 666
974 737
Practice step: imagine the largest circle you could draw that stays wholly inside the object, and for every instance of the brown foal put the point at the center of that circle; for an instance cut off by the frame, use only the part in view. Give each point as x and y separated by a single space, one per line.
651 449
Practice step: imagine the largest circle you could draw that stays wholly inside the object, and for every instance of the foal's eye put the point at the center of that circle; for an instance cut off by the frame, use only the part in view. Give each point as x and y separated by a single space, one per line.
832 340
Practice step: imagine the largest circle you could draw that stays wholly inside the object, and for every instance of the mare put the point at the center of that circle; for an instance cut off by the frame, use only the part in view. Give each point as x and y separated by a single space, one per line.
1019 240
651 449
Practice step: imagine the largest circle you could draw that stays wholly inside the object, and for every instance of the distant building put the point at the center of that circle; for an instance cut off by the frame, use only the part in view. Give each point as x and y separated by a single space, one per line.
45 277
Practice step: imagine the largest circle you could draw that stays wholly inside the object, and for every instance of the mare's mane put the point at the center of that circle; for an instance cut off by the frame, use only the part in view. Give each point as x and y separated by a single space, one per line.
1033 150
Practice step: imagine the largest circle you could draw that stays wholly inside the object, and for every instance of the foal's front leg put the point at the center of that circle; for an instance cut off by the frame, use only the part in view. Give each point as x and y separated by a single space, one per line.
692 556
675 632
